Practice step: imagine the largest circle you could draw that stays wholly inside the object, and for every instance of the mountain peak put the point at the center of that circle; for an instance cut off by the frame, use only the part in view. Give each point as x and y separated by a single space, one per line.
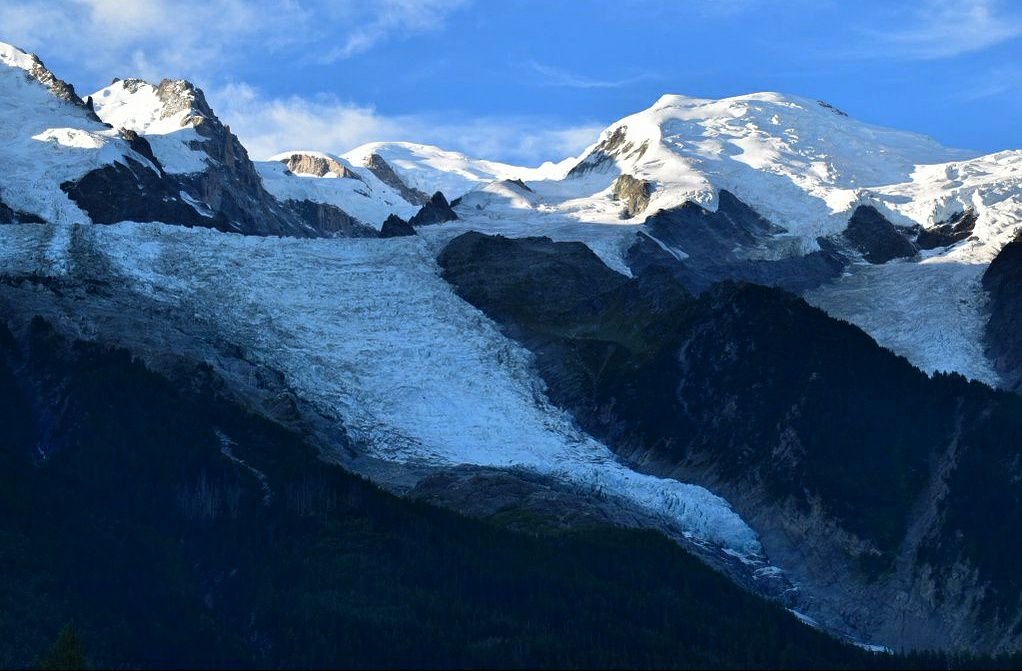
14 57
141 106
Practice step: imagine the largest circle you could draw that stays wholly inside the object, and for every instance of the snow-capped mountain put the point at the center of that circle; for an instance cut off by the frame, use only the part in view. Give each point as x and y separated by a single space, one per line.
49 137
401 358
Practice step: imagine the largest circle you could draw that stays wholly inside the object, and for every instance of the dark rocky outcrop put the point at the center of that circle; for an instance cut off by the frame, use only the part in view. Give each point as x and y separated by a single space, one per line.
11 216
876 238
860 479
519 184
385 173
226 194
330 220
141 147
436 211
634 193
395 227
958 227
135 192
58 87
701 247
1003 283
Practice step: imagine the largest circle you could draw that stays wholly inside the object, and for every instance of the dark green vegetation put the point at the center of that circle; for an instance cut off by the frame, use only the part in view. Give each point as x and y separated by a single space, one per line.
756 393
136 508
1003 281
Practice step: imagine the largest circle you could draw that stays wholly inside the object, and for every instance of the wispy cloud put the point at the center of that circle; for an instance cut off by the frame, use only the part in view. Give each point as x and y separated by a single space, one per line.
997 82
551 76
937 29
386 18
204 39
268 125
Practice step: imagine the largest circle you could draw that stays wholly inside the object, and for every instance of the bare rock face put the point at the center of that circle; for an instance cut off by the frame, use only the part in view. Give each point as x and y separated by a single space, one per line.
634 193
436 211
385 173
330 220
955 229
12 216
871 234
317 166
59 87
395 227
711 246
1003 283
616 145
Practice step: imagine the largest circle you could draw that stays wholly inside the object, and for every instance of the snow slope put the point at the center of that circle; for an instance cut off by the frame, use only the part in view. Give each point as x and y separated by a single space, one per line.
799 162
46 140
134 104
430 169
366 198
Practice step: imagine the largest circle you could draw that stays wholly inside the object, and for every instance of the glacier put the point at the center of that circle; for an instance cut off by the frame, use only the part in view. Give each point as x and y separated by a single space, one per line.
368 333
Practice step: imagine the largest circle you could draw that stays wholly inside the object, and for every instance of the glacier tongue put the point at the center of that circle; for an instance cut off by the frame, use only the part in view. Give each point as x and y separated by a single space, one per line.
368 332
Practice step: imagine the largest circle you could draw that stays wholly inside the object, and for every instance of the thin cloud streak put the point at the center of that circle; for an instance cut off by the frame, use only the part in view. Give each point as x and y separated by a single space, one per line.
941 29
551 76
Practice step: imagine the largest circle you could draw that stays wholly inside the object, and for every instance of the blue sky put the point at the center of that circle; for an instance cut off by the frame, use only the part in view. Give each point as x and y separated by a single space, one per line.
526 81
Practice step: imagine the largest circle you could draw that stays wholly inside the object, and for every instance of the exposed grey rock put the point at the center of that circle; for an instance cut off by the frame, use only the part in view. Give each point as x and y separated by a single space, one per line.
603 154
634 192
227 194
395 227
135 192
330 220
958 227
142 147
59 87
700 248
385 173
517 183
11 216
876 238
436 211
317 166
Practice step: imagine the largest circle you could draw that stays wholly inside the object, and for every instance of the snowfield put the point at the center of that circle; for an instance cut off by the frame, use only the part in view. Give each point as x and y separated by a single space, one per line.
430 169
931 312
367 199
